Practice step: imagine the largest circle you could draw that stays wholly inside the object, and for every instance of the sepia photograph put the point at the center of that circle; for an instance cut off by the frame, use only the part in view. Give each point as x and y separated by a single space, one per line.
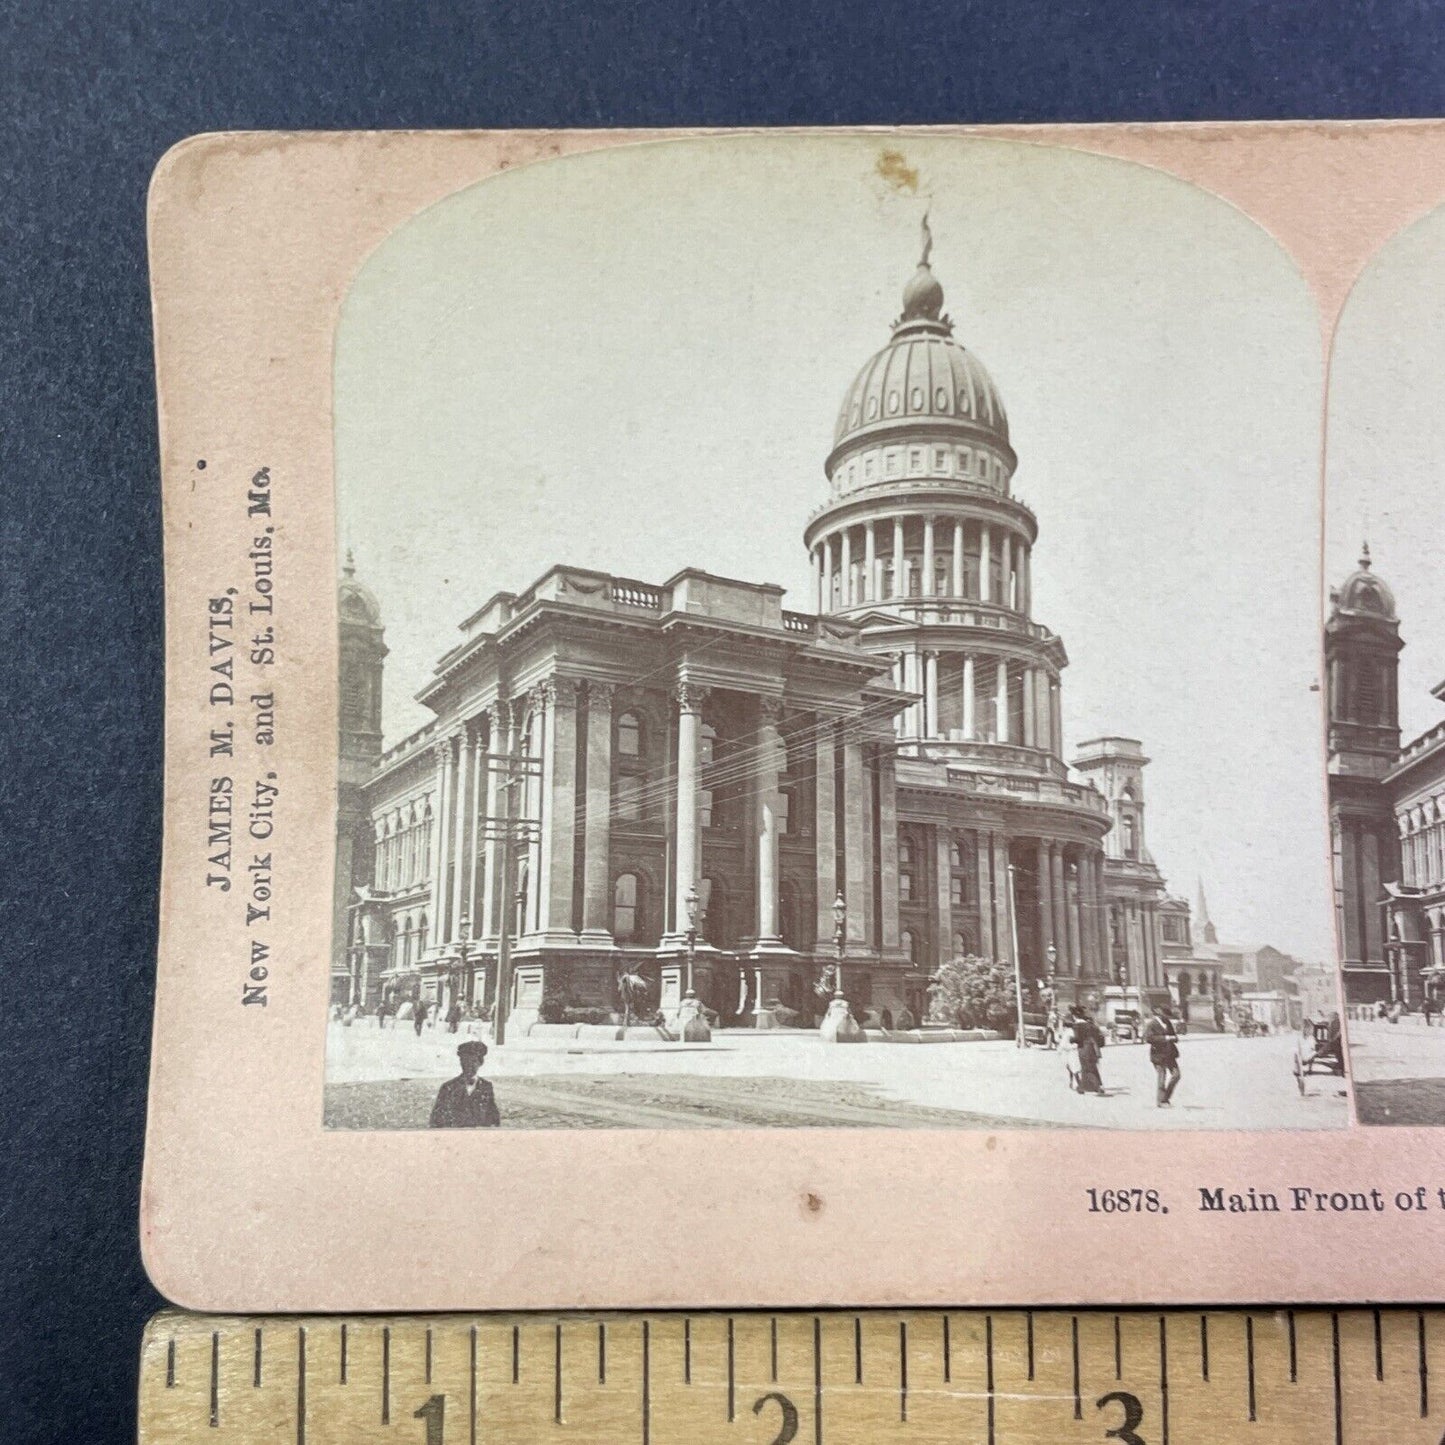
1385 658
828 637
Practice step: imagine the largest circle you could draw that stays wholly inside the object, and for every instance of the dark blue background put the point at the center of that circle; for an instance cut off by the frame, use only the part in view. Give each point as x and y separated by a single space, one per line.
92 96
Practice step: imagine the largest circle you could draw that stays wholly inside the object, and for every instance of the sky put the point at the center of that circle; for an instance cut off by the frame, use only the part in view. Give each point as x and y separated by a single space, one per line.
1385 451
633 361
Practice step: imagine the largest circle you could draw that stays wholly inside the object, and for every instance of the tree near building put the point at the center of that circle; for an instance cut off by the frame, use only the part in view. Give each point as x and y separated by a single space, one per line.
973 993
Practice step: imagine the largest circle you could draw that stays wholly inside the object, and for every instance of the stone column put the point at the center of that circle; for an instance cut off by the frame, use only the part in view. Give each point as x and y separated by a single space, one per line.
858 889
770 756
825 830
970 726
500 746
441 865
870 564
926 588
914 662
476 772
1071 894
1043 733
899 590
945 898
690 699
1106 961
1003 931
1005 567
1067 959
559 811
821 568
888 926
1001 702
458 829
1026 602
597 829
1046 907
985 573
845 567
1088 912
983 851
930 695
958 559
1056 720
1030 735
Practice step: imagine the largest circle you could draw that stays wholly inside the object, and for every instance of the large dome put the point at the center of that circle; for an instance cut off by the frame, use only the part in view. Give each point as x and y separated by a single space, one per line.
922 376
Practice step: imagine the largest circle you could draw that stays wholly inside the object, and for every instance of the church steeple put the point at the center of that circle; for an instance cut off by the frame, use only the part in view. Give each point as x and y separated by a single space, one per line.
1203 924
1362 647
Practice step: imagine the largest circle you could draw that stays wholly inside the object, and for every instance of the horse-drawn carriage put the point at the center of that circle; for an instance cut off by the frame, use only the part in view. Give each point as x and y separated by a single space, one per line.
1126 1027
1320 1050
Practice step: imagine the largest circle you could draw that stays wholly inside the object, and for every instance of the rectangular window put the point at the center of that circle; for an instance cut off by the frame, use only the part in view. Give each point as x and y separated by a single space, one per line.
958 890
905 887
940 459
704 806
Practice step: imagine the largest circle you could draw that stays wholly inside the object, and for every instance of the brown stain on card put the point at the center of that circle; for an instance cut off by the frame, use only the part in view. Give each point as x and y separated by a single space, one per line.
893 167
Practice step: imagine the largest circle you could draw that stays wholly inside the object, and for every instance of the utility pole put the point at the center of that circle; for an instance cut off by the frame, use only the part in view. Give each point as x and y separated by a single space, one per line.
509 830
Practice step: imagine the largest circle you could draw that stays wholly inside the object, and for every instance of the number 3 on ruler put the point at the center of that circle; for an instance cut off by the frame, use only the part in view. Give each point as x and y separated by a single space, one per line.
434 1413
1133 1417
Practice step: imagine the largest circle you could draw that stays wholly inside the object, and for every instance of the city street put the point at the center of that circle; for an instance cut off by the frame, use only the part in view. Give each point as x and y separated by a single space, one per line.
1399 1071
388 1080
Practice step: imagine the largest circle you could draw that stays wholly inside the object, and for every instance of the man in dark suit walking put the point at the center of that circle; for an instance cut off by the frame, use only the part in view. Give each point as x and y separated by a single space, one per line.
466 1102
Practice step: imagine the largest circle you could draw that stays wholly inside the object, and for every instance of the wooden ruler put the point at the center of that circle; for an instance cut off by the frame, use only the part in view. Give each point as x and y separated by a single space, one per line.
1190 1378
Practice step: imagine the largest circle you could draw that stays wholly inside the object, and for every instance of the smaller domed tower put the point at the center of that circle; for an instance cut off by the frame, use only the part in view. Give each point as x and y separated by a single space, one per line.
1362 664
361 654
1362 661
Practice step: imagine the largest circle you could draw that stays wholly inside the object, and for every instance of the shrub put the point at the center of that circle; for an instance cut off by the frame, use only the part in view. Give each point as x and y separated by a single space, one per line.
974 993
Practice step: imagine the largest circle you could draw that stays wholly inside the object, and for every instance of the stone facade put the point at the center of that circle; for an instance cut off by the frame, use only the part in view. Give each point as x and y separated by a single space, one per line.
901 749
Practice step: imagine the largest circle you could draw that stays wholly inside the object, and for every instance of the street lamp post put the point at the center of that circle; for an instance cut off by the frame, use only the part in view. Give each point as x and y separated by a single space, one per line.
464 954
839 1026
691 1018
1021 1039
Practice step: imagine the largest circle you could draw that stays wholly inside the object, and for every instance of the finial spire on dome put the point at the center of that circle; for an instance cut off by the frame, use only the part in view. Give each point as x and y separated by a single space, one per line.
1364 556
349 570
923 296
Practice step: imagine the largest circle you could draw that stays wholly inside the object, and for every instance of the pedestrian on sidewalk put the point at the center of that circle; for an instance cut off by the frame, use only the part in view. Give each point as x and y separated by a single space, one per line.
1163 1040
418 1016
1089 1042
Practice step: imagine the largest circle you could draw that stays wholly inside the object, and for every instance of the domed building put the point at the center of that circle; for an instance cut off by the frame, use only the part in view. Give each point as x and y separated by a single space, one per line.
716 799
924 546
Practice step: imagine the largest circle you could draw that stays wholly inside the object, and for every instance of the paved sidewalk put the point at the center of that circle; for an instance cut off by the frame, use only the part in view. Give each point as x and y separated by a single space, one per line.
1228 1082
1399 1071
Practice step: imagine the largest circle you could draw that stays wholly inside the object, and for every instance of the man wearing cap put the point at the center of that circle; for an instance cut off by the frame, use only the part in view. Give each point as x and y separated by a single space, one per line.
466 1102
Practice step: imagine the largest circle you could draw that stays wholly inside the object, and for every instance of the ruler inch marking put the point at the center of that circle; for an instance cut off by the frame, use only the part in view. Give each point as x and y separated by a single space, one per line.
1424 1367
215 1379
687 1351
171 1363
1335 1363
256 1362
301 1386
858 1347
1204 1348
988 1372
817 1379
732 1375
773 1349
516 1354
1078 1400
1293 1350
386 1375
903 1370
1164 1379
473 1390
1379 1348
1249 1361
428 1354
343 1353
601 1352
947 1354
646 1384
1030 1318
1118 1350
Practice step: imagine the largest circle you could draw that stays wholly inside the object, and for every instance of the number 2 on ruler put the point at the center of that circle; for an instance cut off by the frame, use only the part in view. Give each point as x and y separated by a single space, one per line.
1127 1432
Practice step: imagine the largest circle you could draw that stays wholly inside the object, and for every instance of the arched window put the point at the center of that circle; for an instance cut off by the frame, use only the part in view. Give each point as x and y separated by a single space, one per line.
905 849
421 936
960 945
955 853
426 821
629 735
1131 836
910 944
624 907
